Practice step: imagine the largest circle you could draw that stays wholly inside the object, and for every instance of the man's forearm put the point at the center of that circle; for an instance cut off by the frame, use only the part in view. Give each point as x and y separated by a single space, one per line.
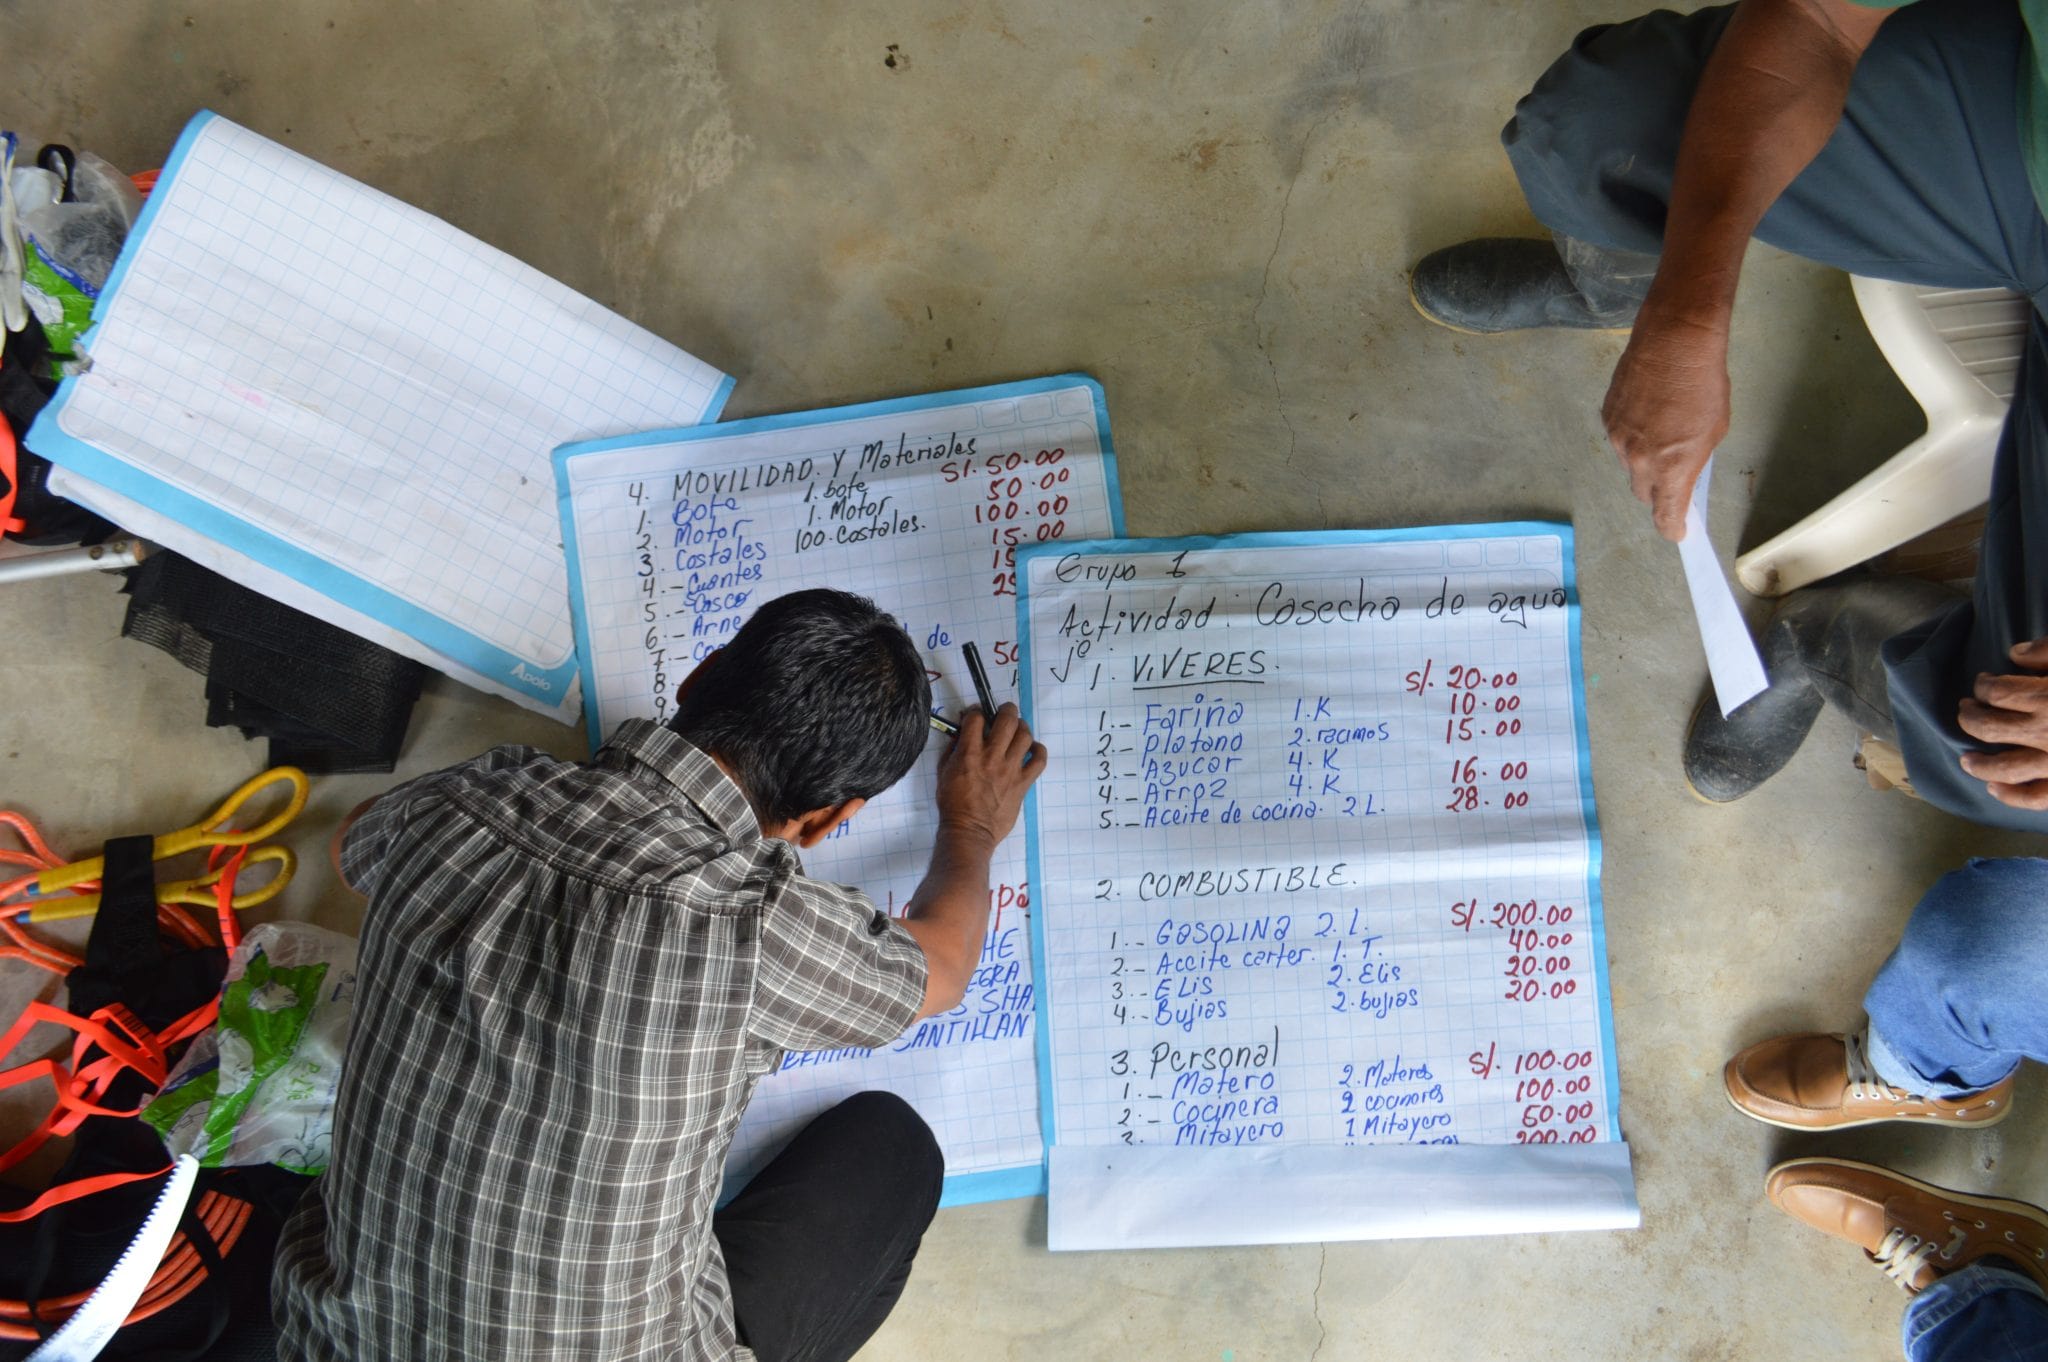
948 915
1769 99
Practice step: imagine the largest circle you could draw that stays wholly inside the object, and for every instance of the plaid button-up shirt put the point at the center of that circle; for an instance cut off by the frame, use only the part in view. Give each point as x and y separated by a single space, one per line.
571 978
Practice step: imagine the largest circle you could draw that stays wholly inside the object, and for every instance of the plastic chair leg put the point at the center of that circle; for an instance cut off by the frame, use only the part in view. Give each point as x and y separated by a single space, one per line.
1931 481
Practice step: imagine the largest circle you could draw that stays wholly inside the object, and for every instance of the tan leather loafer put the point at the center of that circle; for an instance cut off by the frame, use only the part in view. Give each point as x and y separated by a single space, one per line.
1914 1230
1817 1082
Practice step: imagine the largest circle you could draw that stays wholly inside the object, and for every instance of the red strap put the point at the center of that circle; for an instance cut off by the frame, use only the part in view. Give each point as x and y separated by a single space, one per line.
74 1090
124 1042
32 1016
10 471
80 1084
131 1046
224 897
72 1191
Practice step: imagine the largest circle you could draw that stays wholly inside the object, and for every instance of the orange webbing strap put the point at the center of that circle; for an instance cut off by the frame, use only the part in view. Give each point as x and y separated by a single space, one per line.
75 1090
72 1191
10 470
80 1084
19 944
123 1041
224 894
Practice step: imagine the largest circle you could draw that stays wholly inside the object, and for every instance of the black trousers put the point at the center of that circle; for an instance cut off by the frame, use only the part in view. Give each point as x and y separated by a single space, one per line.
819 1245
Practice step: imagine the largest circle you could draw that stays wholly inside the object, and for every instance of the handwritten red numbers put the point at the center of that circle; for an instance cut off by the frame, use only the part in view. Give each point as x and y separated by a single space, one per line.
1020 488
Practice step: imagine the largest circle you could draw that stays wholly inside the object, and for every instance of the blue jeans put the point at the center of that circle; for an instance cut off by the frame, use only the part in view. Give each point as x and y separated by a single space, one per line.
1964 997
1923 181
1960 1002
1980 1314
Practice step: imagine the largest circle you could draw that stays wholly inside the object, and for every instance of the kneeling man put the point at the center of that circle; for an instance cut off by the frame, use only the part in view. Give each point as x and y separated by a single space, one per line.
573 975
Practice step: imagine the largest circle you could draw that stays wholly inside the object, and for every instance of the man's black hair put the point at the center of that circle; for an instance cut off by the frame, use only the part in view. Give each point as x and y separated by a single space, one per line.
819 698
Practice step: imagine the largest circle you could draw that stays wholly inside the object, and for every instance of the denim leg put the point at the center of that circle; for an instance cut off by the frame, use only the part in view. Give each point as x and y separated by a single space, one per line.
1979 1314
1961 1002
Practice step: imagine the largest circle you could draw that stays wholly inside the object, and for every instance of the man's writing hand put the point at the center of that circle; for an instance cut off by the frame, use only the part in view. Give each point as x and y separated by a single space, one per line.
984 774
1666 409
2012 711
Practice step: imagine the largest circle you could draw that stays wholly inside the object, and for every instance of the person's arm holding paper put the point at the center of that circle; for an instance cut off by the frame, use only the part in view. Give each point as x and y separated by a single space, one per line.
1771 95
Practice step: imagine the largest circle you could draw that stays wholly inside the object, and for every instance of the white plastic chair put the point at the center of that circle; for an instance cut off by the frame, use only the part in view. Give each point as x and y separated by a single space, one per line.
1958 352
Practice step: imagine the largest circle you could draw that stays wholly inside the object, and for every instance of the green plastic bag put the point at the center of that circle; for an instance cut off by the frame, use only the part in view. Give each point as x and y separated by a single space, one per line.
62 307
258 1086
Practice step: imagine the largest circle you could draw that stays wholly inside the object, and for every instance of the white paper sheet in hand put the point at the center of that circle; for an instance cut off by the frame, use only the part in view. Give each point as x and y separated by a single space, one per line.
359 397
1732 659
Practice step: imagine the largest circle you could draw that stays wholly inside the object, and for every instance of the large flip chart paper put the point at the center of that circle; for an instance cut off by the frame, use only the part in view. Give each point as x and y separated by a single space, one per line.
349 404
1317 891
674 537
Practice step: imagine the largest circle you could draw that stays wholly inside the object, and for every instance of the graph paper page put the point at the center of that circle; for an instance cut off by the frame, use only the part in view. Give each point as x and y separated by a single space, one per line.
1317 890
357 396
674 538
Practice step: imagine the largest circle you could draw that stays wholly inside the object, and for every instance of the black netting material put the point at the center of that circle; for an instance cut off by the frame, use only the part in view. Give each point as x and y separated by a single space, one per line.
326 699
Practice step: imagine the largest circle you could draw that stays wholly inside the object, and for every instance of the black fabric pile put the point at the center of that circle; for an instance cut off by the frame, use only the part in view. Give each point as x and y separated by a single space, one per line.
327 700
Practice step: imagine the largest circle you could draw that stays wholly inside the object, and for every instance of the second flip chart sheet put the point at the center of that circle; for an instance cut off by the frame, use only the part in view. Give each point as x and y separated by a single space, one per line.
675 537
1317 890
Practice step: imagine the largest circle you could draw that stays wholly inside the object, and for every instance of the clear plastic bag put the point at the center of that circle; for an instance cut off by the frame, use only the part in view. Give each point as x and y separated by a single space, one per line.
258 1087
79 239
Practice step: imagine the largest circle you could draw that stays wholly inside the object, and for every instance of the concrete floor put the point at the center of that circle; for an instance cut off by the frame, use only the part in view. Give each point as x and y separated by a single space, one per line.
1211 208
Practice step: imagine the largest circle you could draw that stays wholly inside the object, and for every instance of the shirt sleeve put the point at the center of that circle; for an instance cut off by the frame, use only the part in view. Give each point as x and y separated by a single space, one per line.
369 839
835 970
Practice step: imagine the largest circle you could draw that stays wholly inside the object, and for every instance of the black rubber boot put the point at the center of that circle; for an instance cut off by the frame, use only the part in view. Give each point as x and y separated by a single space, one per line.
1498 284
1727 758
1823 647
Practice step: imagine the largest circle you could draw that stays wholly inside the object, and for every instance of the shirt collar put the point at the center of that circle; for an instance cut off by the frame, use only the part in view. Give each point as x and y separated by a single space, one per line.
664 754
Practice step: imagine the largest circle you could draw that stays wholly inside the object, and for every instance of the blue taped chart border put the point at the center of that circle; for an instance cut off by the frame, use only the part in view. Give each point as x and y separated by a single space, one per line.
47 437
997 1184
1507 529
758 425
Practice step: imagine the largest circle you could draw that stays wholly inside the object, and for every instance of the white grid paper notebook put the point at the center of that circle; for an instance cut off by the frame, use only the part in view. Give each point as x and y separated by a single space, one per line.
360 399
1318 921
675 537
